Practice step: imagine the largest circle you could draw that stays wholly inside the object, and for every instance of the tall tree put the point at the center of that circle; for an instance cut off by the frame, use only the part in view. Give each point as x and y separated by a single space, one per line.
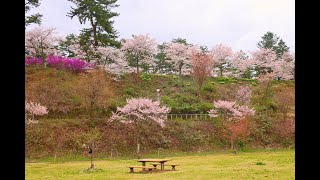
181 41
271 41
99 15
163 66
201 68
221 55
40 42
139 50
34 18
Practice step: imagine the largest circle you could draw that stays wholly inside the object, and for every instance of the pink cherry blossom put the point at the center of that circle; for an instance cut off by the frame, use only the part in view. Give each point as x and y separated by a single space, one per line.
139 110
243 95
141 48
41 41
230 110
33 109
221 56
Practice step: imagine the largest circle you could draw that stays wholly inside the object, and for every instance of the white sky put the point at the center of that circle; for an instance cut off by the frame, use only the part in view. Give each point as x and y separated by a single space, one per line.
236 23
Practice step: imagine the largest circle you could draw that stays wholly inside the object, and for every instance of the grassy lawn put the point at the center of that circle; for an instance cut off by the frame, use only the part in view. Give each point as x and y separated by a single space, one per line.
276 165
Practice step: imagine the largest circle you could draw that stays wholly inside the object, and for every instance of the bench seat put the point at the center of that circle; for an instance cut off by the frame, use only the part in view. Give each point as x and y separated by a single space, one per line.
142 167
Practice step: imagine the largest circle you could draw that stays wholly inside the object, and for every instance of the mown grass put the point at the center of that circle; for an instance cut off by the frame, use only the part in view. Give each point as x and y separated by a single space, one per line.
248 165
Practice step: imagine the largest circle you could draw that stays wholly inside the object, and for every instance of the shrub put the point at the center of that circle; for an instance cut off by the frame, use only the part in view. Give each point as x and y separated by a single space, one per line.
31 61
145 76
71 64
208 87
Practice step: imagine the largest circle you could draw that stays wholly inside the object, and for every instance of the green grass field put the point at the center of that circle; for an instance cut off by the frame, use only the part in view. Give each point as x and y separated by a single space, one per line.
249 165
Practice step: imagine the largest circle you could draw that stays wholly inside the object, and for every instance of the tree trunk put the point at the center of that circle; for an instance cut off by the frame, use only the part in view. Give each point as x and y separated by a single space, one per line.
138 149
220 71
137 66
232 145
94 28
199 88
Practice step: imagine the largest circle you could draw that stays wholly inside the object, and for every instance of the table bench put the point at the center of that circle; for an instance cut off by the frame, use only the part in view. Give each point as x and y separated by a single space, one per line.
172 165
142 167
161 161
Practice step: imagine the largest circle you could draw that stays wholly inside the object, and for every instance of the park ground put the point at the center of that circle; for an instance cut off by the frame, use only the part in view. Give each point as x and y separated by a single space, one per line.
265 164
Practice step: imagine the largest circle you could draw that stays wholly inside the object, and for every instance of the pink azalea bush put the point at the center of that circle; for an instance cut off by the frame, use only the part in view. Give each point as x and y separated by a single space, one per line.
30 61
139 110
71 64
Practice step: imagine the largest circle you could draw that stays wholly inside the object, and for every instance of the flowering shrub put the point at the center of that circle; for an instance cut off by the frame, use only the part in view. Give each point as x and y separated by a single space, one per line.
29 61
33 109
71 64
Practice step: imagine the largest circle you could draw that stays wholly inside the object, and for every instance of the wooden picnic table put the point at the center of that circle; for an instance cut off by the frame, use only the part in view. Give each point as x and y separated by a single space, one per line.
161 161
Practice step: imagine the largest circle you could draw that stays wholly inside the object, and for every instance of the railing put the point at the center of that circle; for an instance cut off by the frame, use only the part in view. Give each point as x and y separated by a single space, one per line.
206 116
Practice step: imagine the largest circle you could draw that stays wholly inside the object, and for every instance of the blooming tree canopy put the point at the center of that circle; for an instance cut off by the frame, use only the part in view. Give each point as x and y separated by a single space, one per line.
140 110
285 67
231 110
264 59
113 60
180 55
40 42
241 61
140 49
243 95
234 117
201 67
221 55
33 109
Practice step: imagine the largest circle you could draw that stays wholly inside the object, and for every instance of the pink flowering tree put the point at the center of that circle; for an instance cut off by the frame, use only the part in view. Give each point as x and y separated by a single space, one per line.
40 42
201 68
264 60
179 55
234 115
221 55
87 52
34 109
285 67
141 111
242 62
243 95
109 54
140 49
113 60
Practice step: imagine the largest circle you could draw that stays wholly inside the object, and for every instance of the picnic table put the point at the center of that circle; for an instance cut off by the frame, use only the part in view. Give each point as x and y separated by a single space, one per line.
161 161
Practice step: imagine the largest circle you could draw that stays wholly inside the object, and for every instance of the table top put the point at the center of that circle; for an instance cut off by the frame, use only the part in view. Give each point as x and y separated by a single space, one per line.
153 160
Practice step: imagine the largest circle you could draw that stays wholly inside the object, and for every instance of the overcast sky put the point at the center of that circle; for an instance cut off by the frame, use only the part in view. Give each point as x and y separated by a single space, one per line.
236 23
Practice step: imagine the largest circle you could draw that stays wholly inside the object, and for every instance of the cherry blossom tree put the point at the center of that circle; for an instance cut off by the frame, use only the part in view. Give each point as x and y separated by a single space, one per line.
34 109
234 115
40 42
242 62
141 111
264 60
109 54
285 67
140 49
179 54
285 99
201 68
243 95
113 60
86 52
221 55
